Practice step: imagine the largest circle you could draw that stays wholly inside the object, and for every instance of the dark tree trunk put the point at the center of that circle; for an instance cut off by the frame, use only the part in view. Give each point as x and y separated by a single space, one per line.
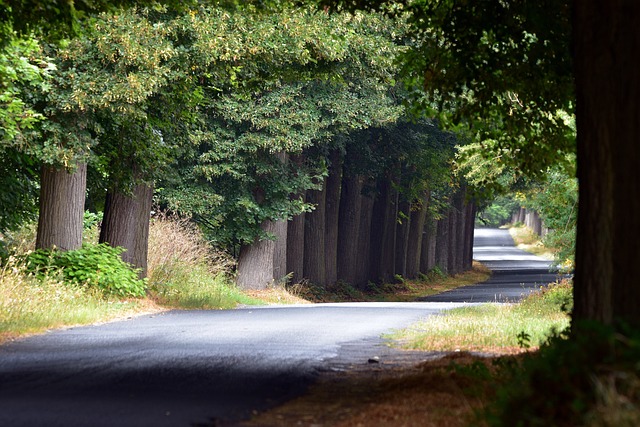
280 229
314 239
403 227
383 232
607 46
125 223
428 252
453 240
470 227
363 254
332 211
416 234
62 196
349 228
442 244
461 227
263 263
295 248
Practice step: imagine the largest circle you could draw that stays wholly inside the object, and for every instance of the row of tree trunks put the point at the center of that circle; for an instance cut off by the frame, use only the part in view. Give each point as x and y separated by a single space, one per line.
360 231
371 234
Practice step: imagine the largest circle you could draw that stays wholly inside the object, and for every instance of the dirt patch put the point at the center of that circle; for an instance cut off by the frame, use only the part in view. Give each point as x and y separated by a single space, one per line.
445 391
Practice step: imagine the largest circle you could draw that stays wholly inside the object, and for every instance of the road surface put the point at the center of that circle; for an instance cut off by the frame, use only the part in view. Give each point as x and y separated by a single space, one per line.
187 368
515 273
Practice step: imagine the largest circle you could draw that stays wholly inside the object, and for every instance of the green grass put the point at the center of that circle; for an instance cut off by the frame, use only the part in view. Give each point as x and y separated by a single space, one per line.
196 287
492 327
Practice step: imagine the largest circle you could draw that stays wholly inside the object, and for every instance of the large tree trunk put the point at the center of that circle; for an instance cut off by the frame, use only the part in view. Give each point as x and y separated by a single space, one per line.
314 239
280 229
332 210
416 234
62 196
403 227
363 253
349 229
442 244
295 248
383 232
607 46
256 261
470 228
428 252
453 240
125 223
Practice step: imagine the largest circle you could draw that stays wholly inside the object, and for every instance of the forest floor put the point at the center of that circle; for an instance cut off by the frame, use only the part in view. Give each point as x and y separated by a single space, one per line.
447 391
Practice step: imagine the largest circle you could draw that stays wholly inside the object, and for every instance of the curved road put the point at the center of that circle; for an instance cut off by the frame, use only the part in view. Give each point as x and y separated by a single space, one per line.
186 368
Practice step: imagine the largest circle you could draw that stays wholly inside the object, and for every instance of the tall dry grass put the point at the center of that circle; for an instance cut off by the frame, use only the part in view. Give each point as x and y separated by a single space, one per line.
185 271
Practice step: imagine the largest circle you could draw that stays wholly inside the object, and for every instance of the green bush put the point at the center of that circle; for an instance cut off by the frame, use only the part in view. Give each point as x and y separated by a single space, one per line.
98 266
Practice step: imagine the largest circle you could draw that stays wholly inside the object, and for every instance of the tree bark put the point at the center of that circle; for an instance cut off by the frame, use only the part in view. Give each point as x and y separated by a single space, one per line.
416 235
428 252
295 248
383 232
442 244
314 238
125 223
453 240
607 44
363 254
256 261
349 229
280 229
470 229
403 227
62 196
332 211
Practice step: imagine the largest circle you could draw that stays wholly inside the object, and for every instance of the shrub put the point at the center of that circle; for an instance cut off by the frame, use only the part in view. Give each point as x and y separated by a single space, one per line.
98 266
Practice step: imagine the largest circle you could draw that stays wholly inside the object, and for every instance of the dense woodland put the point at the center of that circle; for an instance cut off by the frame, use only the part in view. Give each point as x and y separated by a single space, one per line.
285 134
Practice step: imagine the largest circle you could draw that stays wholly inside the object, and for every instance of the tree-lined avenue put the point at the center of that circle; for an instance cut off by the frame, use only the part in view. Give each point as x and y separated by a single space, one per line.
182 368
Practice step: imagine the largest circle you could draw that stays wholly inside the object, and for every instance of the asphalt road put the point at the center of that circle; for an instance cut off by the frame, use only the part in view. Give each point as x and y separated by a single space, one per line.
515 273
186 368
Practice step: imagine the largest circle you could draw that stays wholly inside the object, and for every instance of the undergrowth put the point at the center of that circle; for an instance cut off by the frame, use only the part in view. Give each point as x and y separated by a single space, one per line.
588 375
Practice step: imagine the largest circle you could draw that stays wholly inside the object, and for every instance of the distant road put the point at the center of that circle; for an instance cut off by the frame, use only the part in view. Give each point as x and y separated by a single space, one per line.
515 273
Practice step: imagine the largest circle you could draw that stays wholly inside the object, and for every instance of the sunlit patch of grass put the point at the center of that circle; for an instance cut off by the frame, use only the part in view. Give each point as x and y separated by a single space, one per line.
529 241
280 294
194 286
492 327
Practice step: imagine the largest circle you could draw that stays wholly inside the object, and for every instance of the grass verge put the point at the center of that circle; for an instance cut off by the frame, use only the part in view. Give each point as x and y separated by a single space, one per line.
30 305
529 241
494 328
